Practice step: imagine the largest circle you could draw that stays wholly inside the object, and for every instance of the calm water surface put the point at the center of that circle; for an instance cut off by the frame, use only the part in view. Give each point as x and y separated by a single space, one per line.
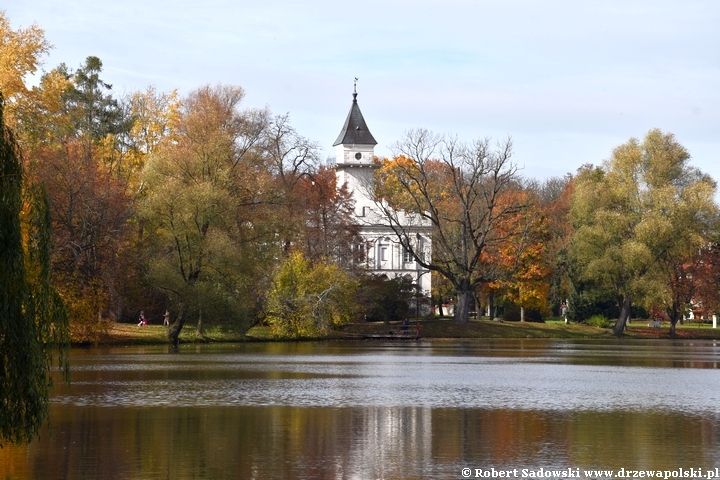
379 410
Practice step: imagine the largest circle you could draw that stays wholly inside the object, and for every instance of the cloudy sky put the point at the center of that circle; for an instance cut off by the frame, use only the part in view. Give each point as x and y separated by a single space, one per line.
567 80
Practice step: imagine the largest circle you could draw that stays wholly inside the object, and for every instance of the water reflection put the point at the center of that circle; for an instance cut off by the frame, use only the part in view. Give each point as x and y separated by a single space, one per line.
532 375
377 411
374 442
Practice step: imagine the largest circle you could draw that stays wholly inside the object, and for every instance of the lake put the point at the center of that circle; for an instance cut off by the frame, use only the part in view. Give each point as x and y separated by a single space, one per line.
366 410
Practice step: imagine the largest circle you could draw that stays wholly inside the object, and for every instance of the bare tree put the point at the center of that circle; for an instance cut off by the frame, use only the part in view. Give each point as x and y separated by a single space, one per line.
467 194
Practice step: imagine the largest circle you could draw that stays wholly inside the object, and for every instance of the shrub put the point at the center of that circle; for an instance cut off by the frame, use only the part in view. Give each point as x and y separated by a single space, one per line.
599 321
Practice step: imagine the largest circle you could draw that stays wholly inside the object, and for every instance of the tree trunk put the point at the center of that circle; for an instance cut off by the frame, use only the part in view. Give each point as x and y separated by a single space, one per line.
674 315
464 295
198 330
522 314
175 329
619 327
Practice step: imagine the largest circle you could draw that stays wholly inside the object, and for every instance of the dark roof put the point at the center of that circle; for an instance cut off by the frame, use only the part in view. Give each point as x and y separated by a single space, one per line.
355 130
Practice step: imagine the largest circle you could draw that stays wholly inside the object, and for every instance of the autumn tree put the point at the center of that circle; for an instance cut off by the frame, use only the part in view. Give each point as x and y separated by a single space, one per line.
687 277
465 192
309 299
61 125
527 286
554 200
71 132
706 275
292 160
21 51
204 208
290 156
329 230
152 114
33 321
89 211
41 116
442 292
638 220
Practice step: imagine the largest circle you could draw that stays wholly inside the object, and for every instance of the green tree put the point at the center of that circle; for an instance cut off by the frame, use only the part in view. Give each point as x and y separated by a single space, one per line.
32 317
95 115
205 212
385 299
638 218
307 300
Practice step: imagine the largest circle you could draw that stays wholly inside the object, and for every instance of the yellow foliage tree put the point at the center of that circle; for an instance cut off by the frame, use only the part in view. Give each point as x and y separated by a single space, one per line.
307 300
20 53
153 115
636 218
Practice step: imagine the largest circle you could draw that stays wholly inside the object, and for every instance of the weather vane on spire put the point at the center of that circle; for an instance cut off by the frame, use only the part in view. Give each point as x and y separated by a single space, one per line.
355 86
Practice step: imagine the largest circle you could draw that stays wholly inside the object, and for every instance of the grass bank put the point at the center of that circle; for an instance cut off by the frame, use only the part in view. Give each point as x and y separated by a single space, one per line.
131 334
431 329
479 329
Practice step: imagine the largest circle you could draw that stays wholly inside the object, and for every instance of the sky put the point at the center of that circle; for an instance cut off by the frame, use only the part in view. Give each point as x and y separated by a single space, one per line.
566 80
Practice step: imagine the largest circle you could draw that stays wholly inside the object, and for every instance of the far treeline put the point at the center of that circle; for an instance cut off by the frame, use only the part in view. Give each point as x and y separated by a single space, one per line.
224 215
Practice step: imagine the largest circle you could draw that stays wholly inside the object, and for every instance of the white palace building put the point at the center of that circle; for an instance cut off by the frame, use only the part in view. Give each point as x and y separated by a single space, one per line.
384 255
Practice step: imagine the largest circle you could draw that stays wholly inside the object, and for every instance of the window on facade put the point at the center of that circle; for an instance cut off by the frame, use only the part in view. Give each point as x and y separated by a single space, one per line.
407 256
383 253
359 253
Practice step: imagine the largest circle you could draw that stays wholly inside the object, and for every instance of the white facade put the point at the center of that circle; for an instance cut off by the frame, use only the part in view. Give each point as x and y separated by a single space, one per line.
383 253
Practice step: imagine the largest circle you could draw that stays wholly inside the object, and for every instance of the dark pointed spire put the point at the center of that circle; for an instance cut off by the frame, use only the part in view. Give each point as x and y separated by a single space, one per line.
355 131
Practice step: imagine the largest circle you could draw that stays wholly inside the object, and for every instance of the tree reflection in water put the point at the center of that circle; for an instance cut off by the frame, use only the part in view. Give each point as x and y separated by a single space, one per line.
366 440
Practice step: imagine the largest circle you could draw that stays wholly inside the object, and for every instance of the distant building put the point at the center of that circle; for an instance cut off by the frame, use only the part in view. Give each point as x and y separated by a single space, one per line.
382 253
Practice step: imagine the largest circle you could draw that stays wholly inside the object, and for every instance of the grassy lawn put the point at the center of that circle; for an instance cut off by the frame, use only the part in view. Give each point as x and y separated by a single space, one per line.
446 328
436 328
131 334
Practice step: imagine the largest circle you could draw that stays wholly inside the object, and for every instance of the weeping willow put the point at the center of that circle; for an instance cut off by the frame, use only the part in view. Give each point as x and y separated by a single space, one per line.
33 320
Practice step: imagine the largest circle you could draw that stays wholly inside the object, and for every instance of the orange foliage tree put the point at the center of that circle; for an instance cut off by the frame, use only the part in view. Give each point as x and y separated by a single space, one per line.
89 211
524 270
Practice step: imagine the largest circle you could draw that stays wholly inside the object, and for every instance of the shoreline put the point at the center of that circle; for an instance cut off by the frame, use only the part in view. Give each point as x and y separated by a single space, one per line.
441 330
